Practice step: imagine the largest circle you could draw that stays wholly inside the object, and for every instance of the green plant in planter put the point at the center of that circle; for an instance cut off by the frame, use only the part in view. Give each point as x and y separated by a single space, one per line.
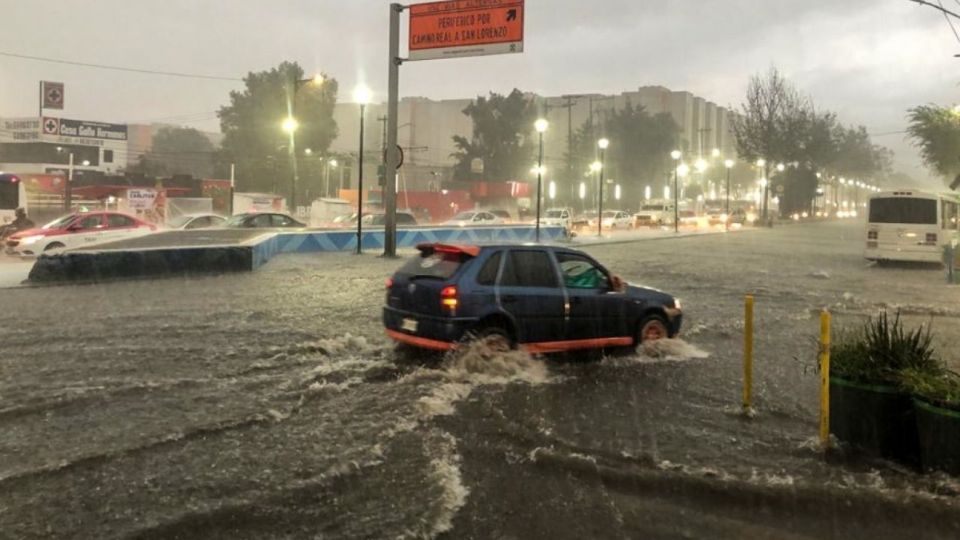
881 350
937 407
869 407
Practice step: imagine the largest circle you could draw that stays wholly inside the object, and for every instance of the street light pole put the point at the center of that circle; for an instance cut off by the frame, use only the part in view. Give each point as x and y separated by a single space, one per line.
729 165
361 95
676 154
602 143
68 190
541 126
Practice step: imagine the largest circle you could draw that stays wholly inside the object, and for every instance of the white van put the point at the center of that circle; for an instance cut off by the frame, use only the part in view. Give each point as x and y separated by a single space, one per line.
908 225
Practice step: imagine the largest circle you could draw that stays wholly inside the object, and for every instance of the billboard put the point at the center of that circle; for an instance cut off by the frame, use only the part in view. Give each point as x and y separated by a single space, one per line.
458 28
84 129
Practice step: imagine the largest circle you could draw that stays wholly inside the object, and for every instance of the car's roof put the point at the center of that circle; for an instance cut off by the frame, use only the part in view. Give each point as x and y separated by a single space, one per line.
479 248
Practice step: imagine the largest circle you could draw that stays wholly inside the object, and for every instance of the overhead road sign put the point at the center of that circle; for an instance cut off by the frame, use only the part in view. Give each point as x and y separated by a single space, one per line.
459 28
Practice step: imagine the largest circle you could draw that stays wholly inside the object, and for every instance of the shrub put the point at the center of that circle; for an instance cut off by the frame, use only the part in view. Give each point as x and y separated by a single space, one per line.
882 349
939 388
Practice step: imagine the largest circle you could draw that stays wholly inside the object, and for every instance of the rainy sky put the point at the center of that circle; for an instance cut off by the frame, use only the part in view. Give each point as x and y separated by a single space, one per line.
868 60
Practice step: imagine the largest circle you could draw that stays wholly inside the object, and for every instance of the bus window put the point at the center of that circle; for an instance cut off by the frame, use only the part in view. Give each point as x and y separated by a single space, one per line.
903 211
949 215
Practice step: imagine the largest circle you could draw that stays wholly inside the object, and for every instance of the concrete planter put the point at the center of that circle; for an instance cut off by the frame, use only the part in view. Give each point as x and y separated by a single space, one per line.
876 419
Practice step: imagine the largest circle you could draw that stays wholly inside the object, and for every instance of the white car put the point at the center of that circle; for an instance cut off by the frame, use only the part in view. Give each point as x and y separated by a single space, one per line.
196 221
557 217
77 231
615 219
479 217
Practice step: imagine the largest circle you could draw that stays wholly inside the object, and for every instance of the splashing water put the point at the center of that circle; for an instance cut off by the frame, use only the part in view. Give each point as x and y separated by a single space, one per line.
660 351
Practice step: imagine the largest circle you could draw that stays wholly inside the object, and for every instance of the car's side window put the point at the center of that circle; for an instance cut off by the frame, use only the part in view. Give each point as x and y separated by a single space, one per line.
528 268
262 220
90 222
117 221
581 273
281 221
488 273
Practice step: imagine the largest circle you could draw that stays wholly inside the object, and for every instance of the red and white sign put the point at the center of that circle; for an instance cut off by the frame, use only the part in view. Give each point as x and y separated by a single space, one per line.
51 93
51 126
459 28
141 199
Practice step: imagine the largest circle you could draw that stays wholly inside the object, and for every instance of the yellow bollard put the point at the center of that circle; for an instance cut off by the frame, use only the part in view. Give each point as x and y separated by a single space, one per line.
824 379
748 354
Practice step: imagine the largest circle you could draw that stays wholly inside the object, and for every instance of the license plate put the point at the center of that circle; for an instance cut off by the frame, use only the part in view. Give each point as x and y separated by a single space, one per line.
410 325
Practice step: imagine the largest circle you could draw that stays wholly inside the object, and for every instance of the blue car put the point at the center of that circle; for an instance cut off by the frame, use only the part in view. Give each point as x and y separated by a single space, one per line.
545 299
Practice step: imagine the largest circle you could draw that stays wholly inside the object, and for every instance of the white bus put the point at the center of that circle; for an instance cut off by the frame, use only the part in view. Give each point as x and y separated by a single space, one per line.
908 225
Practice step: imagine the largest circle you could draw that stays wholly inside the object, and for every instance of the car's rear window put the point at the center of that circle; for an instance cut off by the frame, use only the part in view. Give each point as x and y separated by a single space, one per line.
436 264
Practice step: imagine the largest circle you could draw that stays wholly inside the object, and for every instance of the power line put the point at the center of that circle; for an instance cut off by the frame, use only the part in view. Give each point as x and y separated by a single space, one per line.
949 22
119 68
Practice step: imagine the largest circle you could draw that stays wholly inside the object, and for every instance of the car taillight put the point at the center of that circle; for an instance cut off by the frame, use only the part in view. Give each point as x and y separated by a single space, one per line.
389 283
448 297
872 235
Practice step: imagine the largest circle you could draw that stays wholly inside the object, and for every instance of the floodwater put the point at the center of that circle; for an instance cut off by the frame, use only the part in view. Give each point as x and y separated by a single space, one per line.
269 405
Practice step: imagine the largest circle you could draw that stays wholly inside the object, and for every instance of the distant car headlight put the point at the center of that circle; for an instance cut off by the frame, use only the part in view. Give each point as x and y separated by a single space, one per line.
30 239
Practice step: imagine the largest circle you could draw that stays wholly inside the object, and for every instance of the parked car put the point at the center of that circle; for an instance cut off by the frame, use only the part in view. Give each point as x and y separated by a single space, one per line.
654 213
474 217
77 230
614 219
380 219
504 216
544 298
265 220
557 217
196 221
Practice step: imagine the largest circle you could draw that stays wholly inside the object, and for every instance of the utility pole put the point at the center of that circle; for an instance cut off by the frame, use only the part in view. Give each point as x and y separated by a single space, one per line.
569 106
393 90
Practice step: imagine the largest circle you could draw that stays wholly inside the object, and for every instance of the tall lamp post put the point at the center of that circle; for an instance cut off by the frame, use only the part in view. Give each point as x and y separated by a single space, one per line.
602 144
728 163
676 155
541 126
290 126
361 95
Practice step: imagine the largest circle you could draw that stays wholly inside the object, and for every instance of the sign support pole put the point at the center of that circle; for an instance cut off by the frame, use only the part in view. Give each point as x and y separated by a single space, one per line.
393 89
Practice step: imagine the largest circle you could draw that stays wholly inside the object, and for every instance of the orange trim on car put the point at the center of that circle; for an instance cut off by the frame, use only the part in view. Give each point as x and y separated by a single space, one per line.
561 346
420 342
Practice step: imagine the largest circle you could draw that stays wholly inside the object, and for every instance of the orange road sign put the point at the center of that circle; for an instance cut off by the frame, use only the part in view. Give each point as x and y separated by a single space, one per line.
458 28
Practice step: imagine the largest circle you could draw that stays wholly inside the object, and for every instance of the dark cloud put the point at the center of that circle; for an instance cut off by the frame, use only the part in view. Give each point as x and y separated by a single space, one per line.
867 60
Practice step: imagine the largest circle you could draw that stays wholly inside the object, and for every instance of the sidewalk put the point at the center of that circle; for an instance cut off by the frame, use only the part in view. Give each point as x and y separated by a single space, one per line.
640 235
13 272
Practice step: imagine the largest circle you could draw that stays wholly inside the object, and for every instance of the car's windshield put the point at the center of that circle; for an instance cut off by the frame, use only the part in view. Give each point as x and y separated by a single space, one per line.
610 269
60 222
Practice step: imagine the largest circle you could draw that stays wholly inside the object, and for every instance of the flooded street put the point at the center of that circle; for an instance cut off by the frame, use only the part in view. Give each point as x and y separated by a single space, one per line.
271 405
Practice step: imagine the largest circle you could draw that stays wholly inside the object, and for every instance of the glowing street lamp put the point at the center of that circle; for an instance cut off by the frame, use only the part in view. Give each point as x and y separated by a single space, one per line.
290 125
675 155
602 144
552 190
361 95
541 126
715 153
700 165
781 167
728 163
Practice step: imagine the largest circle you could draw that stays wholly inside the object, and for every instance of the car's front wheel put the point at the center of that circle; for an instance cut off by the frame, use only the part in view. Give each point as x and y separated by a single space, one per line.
651 328
53 246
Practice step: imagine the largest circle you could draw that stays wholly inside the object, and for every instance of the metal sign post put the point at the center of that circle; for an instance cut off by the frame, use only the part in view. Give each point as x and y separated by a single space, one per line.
390 184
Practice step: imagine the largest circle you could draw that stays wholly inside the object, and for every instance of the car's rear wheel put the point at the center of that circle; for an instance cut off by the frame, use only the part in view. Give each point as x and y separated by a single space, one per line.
495 338
651 328
53 245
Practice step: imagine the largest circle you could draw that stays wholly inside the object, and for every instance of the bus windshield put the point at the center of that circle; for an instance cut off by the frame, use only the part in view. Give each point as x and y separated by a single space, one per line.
903 210
9 195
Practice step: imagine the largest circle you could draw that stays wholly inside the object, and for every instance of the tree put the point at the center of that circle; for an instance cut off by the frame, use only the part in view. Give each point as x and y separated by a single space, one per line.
502 138
251 124
772 116
639 153
936 133
177 150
